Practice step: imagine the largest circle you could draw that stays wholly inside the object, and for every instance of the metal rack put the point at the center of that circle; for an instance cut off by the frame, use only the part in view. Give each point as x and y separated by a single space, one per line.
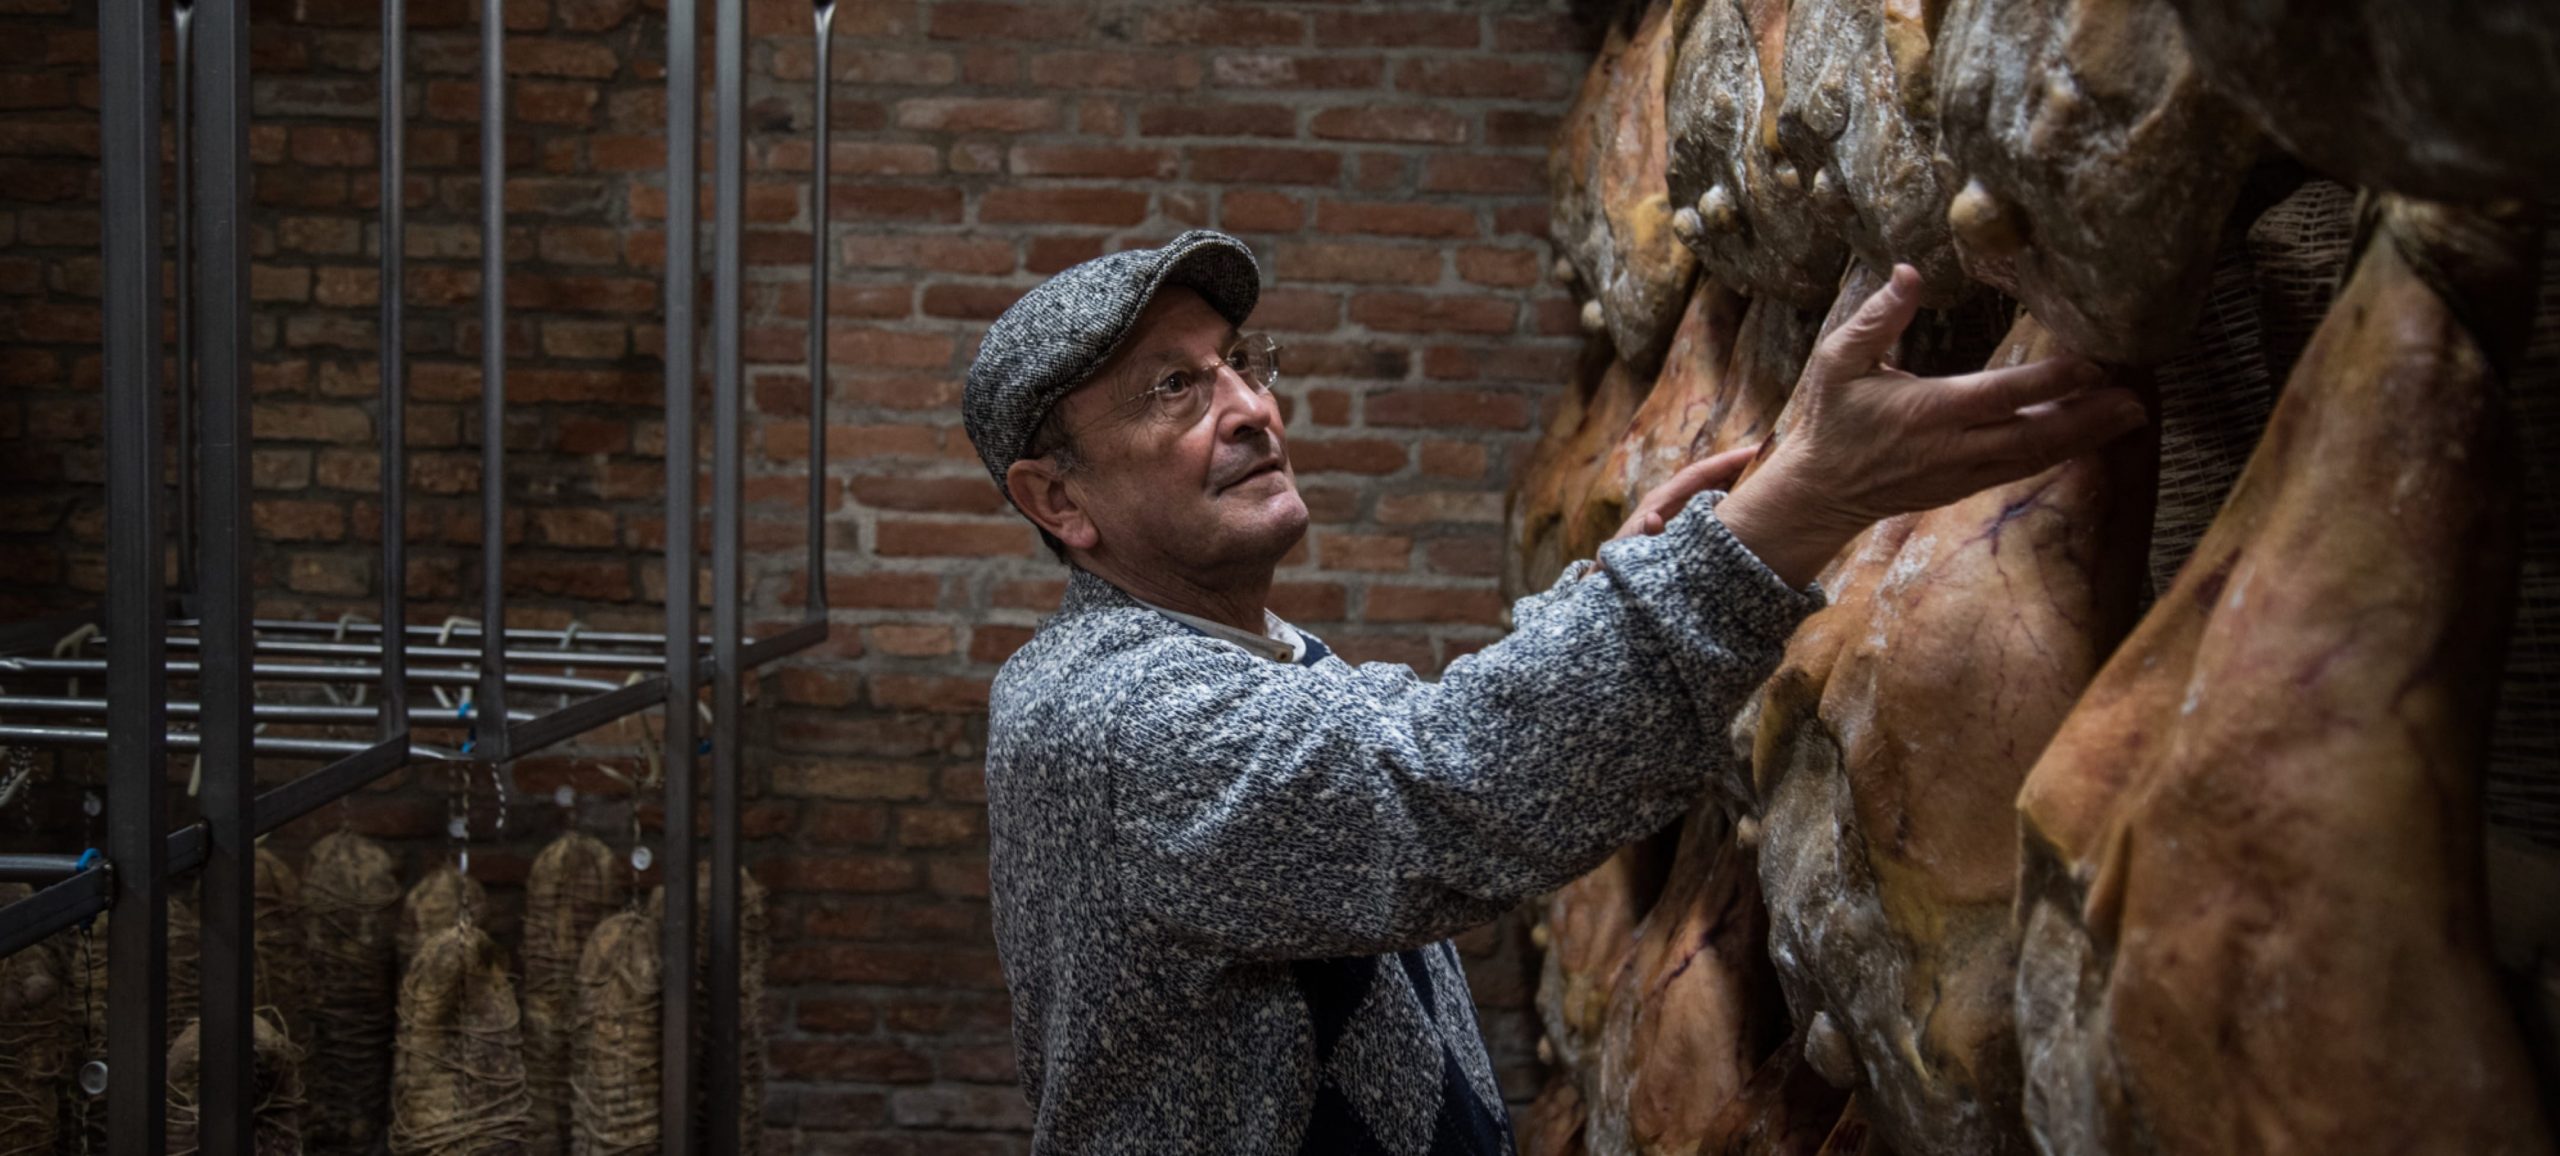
232 654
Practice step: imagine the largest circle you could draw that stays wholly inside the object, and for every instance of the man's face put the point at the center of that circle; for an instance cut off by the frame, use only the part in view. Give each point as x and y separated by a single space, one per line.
1196 484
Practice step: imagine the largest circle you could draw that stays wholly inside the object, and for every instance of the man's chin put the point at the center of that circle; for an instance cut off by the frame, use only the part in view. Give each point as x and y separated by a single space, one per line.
1276 519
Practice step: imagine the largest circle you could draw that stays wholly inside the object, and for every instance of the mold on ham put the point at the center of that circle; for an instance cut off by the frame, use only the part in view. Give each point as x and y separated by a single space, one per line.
1738 199
2092 165
1610 206
1861 116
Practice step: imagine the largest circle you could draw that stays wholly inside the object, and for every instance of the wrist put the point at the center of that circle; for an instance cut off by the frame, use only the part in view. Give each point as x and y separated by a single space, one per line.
1783 524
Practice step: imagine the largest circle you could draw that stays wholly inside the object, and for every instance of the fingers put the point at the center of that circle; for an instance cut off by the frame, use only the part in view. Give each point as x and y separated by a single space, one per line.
1710 473
1721 471
1869 334
1996 395
2054 431
1664 502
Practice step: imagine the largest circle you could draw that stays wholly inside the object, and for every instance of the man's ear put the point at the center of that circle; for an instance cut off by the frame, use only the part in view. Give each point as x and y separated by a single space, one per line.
1043 495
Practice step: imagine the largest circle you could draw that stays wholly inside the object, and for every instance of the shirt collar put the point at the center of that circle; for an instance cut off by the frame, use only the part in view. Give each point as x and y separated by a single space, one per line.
1279 642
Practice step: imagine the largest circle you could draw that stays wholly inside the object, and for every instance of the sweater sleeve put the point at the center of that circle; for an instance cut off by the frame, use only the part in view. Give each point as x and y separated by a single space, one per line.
1271 811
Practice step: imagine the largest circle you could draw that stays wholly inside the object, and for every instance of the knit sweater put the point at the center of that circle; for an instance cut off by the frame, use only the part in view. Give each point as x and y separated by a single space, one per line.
1223 885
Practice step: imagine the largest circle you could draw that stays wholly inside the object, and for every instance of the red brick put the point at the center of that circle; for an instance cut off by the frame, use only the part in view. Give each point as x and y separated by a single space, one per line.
993 643
1448 409
1309 601
1500 268
884 590
294 421
1475 557
941 204
1433 604
974 21
941 826
1346 455
932 395
854 873
1519 128
811 687
957 695
965 495
871 348
1074 206
851 780
1288 310
1395 219
1092 161
837 1062
1203 118
552 102
1453 459
910 639
1049 254
1223 24
1380 171
605 581
1358 263
986 1106
1266 166
1337 30
1484 173
845 824
1400 123
983 256
1465 506
1260 211
1284 71
291 521
1135 71
1383 553
977 114
1465 77
333 146
1414 313
945 539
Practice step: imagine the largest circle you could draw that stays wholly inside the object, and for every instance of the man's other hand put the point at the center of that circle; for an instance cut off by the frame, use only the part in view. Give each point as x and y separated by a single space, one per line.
1664 502
1870 441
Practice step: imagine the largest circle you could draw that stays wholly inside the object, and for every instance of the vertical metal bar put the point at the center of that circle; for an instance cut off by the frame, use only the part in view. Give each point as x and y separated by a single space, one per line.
129 227
675 1015
183 509
814 596
492 704
394 723
729 161
229 789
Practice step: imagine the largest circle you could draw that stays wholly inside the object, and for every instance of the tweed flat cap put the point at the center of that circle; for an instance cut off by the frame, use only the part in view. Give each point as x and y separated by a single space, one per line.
1052 340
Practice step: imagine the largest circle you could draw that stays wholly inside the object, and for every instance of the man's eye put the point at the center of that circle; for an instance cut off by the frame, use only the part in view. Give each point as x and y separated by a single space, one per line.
1173 384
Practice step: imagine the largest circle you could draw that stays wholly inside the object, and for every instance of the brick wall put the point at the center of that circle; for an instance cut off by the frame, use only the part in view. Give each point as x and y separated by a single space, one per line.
1386 161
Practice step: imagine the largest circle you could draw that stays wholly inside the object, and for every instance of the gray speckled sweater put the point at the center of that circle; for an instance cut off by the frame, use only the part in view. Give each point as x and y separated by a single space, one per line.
1223 884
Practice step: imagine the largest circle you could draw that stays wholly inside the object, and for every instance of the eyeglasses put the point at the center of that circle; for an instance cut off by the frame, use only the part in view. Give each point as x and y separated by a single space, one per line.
1180 396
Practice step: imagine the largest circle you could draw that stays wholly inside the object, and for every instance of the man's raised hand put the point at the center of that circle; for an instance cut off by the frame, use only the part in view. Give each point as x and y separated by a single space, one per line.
1869 441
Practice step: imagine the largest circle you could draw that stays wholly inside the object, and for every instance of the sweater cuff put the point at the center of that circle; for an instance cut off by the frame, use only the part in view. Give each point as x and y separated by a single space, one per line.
1697 566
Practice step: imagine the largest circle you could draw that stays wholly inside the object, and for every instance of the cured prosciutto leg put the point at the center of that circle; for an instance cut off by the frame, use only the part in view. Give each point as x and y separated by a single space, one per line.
1697 1010
1891 743
1590 929
2251 885
1611 214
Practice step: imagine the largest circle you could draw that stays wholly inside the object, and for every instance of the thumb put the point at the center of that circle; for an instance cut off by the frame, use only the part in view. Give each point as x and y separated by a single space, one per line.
1864 340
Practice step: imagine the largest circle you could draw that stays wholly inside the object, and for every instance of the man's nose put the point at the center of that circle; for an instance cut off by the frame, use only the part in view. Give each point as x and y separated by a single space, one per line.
1244 409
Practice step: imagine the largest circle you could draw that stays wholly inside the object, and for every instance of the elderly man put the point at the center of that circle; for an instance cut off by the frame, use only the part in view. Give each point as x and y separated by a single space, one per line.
1227 863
